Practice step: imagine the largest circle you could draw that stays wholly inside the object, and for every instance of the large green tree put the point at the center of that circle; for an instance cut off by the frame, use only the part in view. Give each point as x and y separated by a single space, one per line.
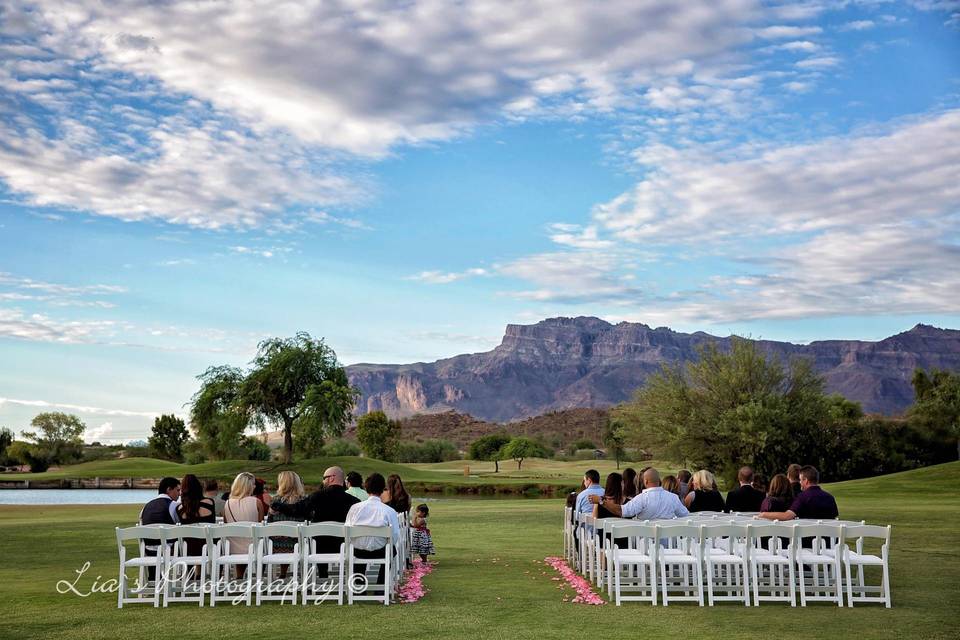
378 435
728 409
489 448
216 417
521 448
613 440
936 410
168 437
57 436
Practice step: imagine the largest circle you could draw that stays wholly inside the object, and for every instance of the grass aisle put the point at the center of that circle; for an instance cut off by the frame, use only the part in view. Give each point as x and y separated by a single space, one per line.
487 582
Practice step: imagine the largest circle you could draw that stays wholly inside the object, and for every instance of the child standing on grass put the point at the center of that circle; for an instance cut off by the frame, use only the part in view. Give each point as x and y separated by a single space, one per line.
422 542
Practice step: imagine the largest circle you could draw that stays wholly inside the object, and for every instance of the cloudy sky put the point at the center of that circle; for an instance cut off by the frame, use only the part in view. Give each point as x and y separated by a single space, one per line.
181 179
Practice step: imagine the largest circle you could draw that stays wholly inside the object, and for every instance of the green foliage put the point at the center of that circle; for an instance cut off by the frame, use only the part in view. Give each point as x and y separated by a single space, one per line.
489 448
936 412
730 409
57 437
21 452
521 448
613 440
583 443
255 449
167 439
6 437
378 435
193 452
427 451
341 447
215 417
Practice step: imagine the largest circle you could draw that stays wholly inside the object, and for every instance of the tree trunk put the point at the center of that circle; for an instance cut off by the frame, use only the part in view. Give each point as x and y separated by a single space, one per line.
519 462
496 466
287 440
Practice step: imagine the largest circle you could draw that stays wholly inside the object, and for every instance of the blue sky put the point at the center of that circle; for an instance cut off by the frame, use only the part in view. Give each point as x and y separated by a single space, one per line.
180 180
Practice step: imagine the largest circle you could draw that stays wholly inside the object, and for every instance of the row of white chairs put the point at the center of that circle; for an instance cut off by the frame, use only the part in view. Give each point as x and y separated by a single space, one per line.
162 550
734 557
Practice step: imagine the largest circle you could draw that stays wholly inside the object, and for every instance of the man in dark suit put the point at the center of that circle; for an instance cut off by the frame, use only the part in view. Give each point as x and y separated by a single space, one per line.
745 497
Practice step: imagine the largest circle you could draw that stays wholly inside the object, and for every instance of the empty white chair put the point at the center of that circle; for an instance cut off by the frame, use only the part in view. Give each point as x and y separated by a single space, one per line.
687 559
185 577
858 558
825 582
144 590
772 567
634 567
316 588
269 587
727 566
354 532
226 556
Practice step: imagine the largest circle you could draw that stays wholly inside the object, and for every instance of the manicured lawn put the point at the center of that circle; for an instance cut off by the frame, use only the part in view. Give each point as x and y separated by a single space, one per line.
488 582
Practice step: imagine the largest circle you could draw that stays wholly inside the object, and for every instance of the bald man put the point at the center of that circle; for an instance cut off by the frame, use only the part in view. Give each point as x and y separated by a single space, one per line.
330 504
653 503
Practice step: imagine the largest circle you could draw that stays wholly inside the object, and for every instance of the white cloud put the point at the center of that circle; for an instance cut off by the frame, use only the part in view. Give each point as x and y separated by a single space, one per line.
819 62
779 32
574 277
38 327
857 25
577 237
98 434
441 277
44 404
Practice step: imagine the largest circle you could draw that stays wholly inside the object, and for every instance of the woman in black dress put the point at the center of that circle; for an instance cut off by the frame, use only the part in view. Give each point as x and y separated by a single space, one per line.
399 498
629 483
704 496
779 495
195 508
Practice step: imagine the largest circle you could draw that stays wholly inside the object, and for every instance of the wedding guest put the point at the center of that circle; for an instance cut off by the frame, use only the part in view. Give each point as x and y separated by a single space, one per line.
242 506
813 503
374 513
613 489
704 496
396 496
160 510
760 483
671 484
289 491
793 475
654 503
355 486
779 495
591 487
744 498
260 492
195 508
684 476
629 483
211 489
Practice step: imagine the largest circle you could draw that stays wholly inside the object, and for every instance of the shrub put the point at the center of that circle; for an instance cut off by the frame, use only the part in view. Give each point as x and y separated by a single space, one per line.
256 449
428 451
341 447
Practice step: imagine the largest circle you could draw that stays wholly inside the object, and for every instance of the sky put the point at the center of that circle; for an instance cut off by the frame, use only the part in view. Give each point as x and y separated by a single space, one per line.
179 180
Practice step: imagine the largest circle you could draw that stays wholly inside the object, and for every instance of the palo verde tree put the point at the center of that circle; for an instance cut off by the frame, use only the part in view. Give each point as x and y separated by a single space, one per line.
488 448
519 449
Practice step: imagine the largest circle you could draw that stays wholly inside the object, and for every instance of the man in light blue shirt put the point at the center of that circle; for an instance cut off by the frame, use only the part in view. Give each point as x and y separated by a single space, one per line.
591 480
654 503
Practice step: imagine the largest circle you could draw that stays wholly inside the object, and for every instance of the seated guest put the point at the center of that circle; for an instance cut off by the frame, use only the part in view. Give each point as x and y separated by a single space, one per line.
372 512
160 510
793 475
396 496
355 486
653 503
671 484
289 491
704 496
613 490
813 503
744 498
242 506
779 495
260 491
194 508
760 483
211 489
591 487
684 476
629 483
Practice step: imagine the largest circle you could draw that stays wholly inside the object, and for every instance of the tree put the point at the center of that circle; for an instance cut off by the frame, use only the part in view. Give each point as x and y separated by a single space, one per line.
730 409
25 453
520 448
488 448
936 410
6 439
216 418
168 436
58 437
377 435
613 440
297 382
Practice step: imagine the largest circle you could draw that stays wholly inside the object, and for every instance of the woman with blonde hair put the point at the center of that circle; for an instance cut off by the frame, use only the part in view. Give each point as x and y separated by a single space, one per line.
289 491
671 484
704 495
242 506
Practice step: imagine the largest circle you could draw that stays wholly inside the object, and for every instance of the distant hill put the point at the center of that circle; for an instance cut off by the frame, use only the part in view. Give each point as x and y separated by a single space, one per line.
564 363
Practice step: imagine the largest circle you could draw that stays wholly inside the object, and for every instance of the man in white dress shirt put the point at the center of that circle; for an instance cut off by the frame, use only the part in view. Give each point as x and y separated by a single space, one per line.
654 503
372 512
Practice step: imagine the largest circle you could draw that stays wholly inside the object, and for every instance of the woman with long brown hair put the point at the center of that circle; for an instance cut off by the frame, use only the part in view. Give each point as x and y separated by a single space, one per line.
613 490
629 484
194 508
779 495
399 498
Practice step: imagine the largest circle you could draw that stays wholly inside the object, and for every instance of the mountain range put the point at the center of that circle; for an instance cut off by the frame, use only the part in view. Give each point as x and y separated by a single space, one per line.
561 363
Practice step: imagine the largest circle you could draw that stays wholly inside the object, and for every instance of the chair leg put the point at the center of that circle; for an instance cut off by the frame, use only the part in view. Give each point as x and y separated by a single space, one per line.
886 583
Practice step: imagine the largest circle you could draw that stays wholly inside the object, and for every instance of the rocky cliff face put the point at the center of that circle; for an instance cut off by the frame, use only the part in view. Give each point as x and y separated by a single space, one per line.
562 363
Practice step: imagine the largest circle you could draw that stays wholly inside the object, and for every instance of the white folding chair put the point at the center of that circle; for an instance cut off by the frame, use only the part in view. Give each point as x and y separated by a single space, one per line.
226 557
269 588
185 577
862 560
773 567
825 577
316 589
633 568
387 561
568 533
728 566
587 531
143 591
687 558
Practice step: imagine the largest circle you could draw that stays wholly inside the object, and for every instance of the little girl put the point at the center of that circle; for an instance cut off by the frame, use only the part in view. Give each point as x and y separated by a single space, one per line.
422 542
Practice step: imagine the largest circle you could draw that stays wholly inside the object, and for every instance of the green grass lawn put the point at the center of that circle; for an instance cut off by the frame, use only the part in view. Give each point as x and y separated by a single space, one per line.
488 582
429 477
